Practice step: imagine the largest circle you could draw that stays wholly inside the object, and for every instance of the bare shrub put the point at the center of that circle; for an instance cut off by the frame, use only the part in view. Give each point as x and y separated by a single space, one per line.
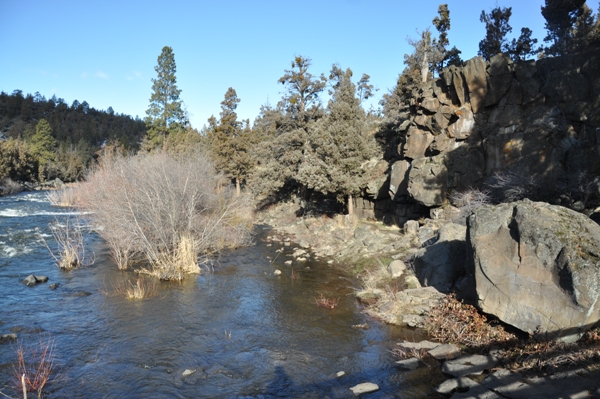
69 249
66 197
468 200
512 186
453 321
34 366
165 208
328 303
9 186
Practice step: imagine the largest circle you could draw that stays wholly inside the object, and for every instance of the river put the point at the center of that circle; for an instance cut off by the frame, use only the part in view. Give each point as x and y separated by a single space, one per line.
245 332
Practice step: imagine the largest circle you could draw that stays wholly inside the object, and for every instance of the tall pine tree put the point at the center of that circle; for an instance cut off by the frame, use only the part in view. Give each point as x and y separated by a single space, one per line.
165 113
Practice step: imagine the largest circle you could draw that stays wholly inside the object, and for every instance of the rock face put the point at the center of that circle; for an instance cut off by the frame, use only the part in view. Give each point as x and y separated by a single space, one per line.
442 264
536 266
456 132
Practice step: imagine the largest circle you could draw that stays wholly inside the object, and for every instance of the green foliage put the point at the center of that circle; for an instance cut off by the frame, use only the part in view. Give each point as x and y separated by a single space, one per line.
496 28
165 113
78 131
279 160
561 18
16 161
519 49
339 143
42 147
230 142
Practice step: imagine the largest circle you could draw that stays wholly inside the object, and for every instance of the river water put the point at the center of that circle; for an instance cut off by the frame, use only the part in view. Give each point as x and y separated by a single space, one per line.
244 331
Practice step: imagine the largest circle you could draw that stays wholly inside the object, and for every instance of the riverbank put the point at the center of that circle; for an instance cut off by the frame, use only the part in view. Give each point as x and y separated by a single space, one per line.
380 257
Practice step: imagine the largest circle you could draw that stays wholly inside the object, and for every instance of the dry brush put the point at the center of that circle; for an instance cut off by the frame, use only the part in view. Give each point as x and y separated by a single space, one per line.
166 210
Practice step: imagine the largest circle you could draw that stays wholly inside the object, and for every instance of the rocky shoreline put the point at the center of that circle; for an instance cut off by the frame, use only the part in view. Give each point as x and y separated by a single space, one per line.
406 272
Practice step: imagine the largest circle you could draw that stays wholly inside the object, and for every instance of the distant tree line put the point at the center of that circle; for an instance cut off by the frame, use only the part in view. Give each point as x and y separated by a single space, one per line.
45 139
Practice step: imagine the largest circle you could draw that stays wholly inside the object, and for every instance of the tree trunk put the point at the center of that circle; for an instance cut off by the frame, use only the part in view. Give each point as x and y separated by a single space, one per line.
425 68
350 205
237 187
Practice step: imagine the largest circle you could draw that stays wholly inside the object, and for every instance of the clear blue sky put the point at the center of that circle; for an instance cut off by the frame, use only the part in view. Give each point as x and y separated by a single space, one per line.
104 52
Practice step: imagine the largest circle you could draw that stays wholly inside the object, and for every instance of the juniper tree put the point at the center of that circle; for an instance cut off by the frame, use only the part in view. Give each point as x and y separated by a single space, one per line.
496 28
339 144
165 113
561 17
519 49
230 141
299 107
442 24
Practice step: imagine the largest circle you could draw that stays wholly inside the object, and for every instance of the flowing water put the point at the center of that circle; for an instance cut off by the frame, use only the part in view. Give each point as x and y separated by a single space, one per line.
245 332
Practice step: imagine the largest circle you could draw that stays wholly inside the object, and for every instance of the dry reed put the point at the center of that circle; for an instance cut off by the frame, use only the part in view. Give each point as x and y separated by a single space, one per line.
34 366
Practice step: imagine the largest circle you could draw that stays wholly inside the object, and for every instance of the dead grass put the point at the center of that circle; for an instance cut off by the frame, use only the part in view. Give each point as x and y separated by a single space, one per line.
66 197
453 321
535 355
69 249
9 186
140 290
34 366
328 303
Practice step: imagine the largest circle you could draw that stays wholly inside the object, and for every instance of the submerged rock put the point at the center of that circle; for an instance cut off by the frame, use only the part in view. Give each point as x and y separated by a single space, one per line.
32 280
366 387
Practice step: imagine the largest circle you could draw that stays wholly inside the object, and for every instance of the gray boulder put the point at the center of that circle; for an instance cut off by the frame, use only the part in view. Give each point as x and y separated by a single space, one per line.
536 266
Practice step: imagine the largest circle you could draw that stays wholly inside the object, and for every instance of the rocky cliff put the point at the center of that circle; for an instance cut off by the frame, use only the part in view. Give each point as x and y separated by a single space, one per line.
534 123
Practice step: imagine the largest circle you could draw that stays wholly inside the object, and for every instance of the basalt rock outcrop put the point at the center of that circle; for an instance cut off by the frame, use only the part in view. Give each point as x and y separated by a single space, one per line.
536 266
539 119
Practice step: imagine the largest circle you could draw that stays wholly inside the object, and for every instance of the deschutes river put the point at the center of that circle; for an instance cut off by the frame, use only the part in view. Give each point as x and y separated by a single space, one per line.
243 331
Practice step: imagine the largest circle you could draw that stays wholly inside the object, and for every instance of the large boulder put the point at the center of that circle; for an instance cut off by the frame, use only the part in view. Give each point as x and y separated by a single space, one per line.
536 266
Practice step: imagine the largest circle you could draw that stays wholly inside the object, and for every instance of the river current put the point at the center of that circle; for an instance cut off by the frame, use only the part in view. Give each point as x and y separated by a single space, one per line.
243 331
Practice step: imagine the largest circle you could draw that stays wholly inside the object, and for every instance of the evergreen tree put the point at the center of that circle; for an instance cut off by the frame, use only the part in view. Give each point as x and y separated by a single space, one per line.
43 146
230 141
442 24
496 27
561 16
519 49
299 107
165 113
339 144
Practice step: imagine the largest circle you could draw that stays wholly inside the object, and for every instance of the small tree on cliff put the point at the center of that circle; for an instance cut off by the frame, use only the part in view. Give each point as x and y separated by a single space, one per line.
339 143
164 114
523 47
496 28
442 24
426 54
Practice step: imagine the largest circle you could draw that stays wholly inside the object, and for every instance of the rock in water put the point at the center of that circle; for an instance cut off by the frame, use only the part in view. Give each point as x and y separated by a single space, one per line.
536 266
366 387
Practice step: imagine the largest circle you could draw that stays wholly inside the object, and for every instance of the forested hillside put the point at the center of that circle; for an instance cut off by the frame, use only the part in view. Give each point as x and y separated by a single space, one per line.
45 139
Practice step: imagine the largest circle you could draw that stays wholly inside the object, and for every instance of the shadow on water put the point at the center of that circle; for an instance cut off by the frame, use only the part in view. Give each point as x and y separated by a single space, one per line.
239 331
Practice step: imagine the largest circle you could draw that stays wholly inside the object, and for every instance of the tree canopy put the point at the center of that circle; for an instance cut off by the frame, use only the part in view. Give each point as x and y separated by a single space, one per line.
496 28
